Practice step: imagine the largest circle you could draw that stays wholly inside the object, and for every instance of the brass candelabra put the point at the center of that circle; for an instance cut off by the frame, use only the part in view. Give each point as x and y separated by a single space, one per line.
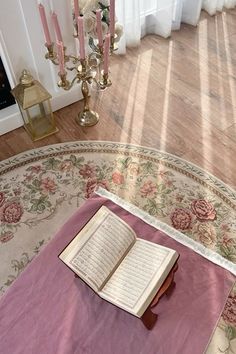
87 71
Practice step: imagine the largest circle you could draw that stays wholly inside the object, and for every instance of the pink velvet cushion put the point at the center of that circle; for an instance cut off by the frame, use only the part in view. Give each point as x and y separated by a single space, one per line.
48 311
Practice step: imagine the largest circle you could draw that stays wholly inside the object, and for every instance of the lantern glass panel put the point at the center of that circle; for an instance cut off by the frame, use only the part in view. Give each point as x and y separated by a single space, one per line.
24 115
41 118
35 112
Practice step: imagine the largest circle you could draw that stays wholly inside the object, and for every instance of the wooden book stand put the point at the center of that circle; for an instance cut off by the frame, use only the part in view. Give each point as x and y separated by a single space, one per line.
149 318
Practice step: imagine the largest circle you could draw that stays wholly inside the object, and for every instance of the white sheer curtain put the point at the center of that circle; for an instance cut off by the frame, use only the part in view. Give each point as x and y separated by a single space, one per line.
211 6
141 17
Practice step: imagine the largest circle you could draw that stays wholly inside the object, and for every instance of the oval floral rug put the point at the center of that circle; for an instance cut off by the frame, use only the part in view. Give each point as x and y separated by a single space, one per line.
40 189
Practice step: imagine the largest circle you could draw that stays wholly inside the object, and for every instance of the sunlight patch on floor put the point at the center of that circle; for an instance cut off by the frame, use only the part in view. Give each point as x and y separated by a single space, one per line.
166 98
204 90
229 64
137 98
220 73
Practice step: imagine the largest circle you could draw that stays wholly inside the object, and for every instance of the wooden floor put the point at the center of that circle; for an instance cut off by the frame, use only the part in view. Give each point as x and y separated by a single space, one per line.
177 95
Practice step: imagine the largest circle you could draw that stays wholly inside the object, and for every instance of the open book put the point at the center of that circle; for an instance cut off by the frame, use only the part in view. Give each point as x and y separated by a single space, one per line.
121 268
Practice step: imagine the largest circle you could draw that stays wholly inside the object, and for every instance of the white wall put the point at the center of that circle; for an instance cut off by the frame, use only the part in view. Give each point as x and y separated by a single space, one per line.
22 47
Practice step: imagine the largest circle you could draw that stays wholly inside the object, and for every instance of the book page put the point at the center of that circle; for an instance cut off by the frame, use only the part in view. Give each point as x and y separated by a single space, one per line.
140 274
99 247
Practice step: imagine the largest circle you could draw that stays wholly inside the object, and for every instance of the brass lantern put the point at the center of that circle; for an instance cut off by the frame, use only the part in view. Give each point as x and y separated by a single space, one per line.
35 107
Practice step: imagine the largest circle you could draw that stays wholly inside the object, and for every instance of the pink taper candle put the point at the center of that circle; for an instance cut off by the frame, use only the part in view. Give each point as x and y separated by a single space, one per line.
45 24
106 53
56 27
76 8
60 52
99 27
112 17
80 23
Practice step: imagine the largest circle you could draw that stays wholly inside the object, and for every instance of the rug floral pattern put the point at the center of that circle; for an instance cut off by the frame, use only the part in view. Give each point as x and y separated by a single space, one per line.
40 189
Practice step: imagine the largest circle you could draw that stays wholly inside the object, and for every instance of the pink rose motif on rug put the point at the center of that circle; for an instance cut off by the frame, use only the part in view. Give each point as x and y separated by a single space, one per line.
87 171
11 212
92 184
229 314
66 166
181 219
228 241
134 168
36 169
48 185
148 189
203 210
117 178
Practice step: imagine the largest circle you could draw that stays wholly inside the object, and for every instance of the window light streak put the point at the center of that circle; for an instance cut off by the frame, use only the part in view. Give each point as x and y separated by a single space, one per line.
204 91
220 74
229 64
230 76
135 112
166 99
137 99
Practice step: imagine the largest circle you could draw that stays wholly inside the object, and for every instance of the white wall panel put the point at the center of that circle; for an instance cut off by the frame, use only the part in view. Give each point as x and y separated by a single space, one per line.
23 37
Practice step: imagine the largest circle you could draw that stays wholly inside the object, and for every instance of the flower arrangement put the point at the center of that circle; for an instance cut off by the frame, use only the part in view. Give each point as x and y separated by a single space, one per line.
88 10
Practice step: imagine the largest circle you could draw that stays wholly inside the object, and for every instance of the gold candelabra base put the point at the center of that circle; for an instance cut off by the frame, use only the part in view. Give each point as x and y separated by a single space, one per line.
87 72
87 118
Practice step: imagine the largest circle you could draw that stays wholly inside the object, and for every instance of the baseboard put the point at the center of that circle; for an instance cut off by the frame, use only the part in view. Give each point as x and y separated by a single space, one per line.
10 117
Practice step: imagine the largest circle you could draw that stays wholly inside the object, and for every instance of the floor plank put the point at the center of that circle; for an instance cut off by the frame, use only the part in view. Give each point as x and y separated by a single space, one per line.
176 94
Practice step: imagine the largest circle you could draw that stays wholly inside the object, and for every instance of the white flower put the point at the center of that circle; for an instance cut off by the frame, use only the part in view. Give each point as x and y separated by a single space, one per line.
89 22
118 32
88 6
81 5
104 2
105 30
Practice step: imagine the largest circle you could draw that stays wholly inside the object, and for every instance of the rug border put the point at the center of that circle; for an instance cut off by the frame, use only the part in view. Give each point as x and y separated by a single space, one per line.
212 182
170 231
